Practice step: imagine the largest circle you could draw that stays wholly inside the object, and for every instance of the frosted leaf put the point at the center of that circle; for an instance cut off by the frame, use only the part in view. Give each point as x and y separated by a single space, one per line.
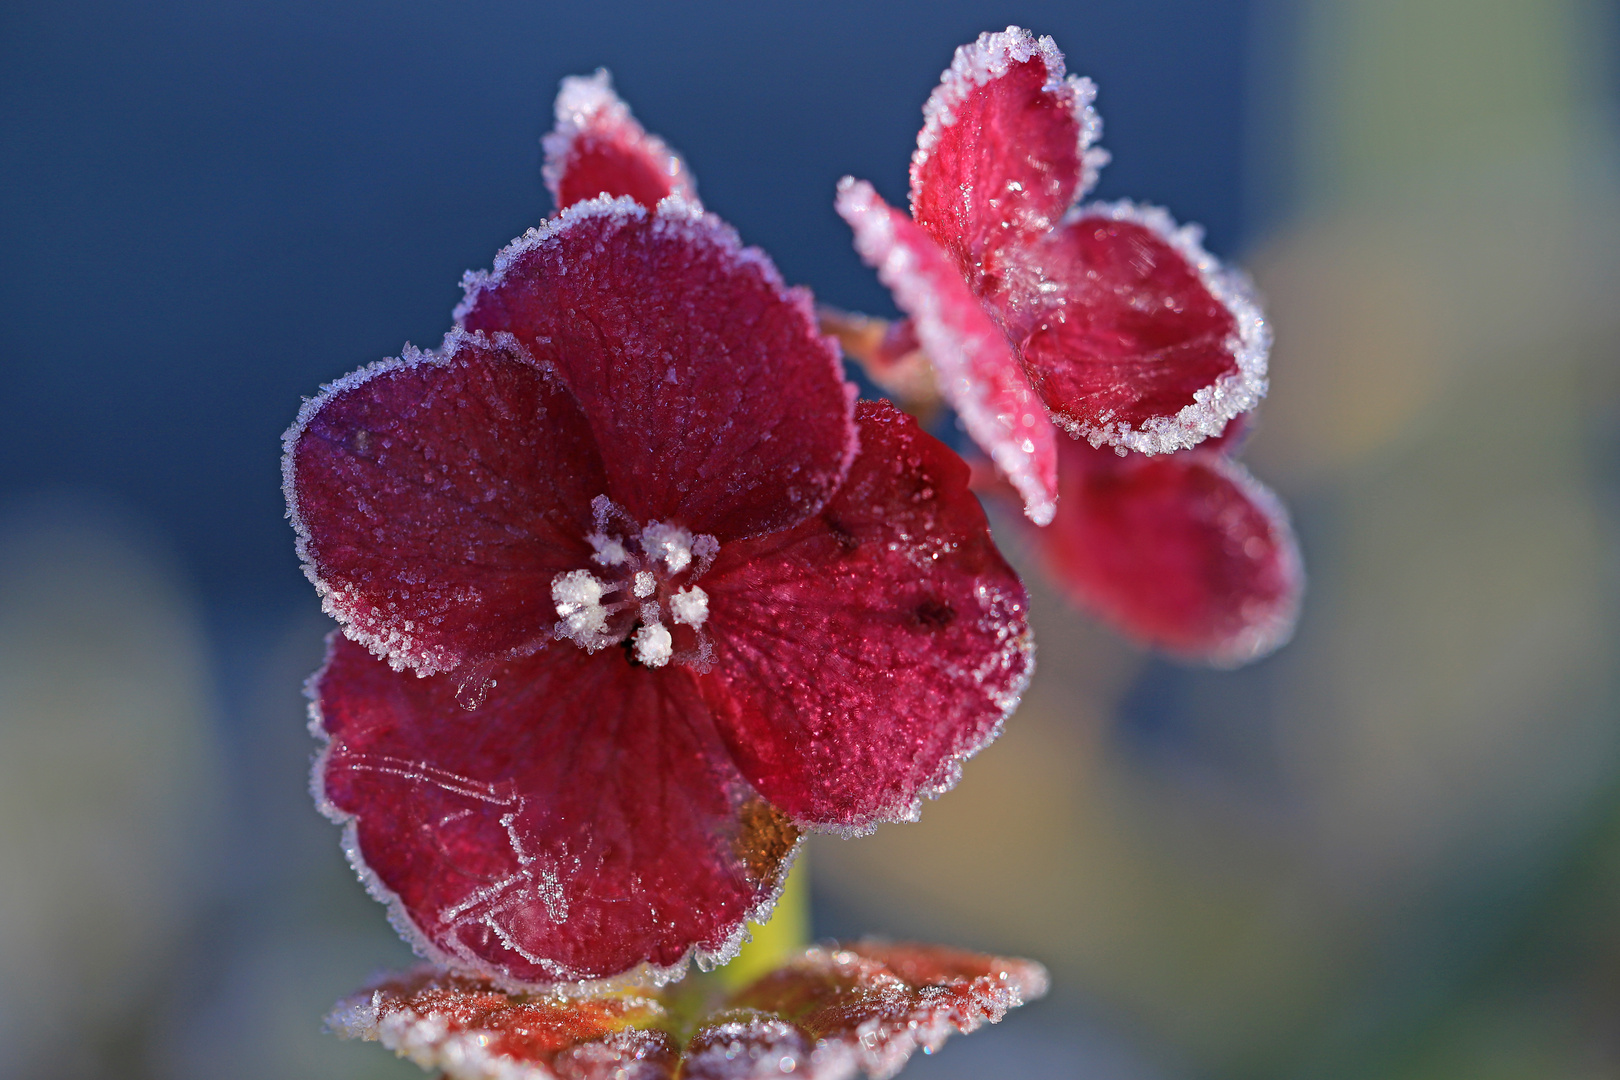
826 1014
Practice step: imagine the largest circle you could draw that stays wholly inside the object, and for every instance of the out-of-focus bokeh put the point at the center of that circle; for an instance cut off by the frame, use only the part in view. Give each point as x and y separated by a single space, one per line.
1392 850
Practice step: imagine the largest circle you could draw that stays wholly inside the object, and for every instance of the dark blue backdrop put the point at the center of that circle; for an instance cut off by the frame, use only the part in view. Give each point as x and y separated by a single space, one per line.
210 208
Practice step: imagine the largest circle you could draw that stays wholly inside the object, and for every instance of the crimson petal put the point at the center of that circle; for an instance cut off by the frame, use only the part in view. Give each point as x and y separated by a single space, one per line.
1186 552
977 371
598 148
1143 339
863 655
826 1014
724 408
585 820
436 496
1005 149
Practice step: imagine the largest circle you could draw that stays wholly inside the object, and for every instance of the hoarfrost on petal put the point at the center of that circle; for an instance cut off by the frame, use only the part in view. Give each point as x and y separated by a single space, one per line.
826 1014
755 433
506 841
1186 552
846 714
1007 146
435 497
598 148
977 371
1144 341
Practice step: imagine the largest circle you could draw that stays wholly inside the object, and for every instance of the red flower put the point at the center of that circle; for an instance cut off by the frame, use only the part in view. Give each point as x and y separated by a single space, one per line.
826 1014
1107 321
631 591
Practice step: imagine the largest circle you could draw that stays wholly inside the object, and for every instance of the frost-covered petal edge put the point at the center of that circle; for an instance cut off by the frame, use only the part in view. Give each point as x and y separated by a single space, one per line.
643 975
988 58
397 646
1028 457
587 104
1270 634
684 223
1231 394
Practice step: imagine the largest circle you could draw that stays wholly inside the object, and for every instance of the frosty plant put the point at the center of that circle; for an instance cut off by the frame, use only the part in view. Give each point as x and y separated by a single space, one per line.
632 593
1097 353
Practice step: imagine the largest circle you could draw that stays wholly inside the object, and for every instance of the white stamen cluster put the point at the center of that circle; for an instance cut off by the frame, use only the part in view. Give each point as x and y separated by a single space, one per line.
654 645
578 596
640 563
690 607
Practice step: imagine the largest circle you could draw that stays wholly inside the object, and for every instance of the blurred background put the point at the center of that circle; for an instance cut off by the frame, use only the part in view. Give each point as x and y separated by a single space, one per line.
1392 850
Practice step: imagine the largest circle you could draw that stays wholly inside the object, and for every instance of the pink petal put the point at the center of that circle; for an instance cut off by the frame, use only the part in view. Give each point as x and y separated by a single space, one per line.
1186 552
826 1014
598 148
436 496
1142 340
863 655
584 821
871 1006
977 372
718 401
1005 149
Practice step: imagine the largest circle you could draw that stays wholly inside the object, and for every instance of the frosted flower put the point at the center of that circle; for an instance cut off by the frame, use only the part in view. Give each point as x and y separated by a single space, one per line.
1050 324
631 592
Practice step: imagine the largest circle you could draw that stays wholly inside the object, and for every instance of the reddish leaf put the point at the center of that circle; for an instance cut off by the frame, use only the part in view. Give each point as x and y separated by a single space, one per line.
724 406
598 148
473 1030
978 373
863 655
435 498
825 1015
585 819
1186 552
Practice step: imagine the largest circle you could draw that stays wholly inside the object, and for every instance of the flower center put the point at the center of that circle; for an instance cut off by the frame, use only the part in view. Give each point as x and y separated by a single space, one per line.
641 590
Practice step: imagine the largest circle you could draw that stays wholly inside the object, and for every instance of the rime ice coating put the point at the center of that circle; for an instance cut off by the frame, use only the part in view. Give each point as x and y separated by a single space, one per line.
1130 333
624 609
977 372
828 1014
598 148
1108 321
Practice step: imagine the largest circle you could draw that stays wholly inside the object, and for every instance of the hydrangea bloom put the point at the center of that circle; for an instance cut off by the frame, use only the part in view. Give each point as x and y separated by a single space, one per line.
631 591
827 1014
1105 323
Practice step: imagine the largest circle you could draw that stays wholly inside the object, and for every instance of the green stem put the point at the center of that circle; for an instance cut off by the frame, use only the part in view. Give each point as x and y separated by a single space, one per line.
786 933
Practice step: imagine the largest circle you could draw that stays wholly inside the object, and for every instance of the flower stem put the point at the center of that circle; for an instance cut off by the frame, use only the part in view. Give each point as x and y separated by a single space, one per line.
787 932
